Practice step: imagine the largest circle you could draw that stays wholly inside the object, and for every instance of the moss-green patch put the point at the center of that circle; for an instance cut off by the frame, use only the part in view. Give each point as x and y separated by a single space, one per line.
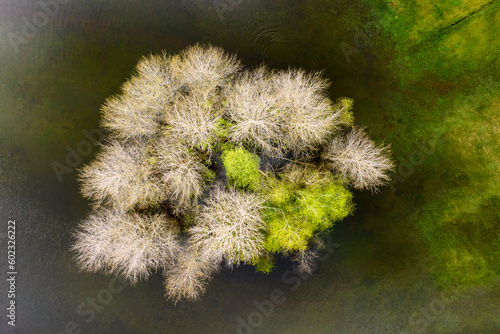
463 231
415 20
264 264
222 128
446 62
447 39
242 168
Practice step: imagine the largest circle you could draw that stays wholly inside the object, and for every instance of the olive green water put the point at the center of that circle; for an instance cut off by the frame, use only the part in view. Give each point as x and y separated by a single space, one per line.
381 274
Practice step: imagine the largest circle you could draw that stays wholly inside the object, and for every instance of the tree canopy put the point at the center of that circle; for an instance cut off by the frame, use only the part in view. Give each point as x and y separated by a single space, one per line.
206 164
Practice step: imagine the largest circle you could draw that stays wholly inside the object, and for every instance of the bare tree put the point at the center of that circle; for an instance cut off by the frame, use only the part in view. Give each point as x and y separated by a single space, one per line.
282 111
230 224
204 69
251 108
92 240
181 173
121 176
190 275
128 118
145 243
138 110
308 114
359 160
193 122
306 260
132 245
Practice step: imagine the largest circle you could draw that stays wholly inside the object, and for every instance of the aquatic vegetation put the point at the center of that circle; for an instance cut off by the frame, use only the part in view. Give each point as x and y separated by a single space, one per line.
446 66
208 165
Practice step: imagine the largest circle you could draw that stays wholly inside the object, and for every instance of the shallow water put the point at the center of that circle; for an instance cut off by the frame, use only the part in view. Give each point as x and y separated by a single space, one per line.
375 280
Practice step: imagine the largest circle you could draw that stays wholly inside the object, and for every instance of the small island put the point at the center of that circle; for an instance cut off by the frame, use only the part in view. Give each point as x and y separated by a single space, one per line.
206 165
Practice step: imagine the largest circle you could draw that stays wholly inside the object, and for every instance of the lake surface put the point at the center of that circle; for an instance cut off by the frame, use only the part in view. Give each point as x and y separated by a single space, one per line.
55 76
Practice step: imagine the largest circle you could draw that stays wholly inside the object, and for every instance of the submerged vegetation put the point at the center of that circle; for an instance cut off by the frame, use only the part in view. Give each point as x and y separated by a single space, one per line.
446 67
208 165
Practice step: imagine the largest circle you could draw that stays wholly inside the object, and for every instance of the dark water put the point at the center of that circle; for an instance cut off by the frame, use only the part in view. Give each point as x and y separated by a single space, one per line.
53 80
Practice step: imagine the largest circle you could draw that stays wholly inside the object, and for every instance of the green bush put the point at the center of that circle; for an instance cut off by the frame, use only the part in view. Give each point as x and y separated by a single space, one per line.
242 168
323 206
264 264
296 210
286 232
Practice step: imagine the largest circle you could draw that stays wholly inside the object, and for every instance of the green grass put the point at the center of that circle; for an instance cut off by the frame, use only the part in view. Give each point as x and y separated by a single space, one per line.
449 84
457 46
463 231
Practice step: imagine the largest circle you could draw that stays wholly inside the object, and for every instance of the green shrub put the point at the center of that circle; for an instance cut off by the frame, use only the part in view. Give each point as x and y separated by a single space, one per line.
278 192
286 232
296 210
242 168
323 206
344 104
264 264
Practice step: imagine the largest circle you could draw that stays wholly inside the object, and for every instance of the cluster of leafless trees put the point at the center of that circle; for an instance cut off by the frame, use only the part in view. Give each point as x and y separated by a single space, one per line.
157 203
